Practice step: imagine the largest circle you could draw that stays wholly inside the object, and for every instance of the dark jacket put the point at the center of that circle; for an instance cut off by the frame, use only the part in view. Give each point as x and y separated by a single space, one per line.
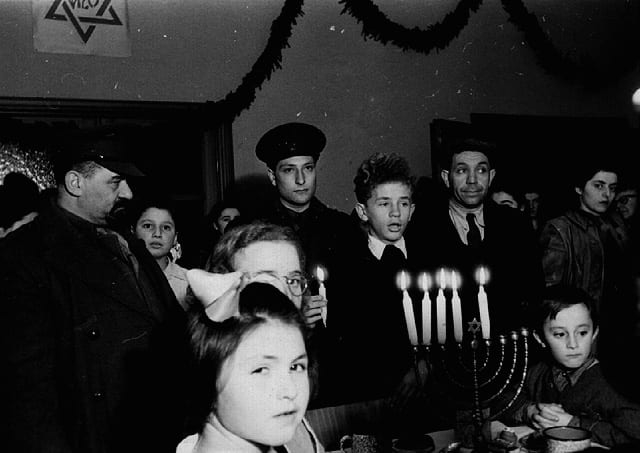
509 250
376 340
573 252
326 236
88 360
594 404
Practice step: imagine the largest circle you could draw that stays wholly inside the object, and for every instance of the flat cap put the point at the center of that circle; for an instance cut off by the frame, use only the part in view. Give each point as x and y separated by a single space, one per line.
288 140
111 153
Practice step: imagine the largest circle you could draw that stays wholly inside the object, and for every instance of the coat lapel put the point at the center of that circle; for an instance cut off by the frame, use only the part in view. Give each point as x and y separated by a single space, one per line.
82 258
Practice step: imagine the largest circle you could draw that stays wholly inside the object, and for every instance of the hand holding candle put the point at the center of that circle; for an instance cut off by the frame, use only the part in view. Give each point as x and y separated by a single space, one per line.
322 291
441 308
456 307
407 305
424 282
483 305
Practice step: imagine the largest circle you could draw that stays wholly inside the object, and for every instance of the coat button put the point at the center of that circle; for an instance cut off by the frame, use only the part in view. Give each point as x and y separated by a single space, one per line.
94 334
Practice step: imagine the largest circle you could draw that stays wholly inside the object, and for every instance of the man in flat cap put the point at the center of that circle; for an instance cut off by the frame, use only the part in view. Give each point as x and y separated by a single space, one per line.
89 324
291 152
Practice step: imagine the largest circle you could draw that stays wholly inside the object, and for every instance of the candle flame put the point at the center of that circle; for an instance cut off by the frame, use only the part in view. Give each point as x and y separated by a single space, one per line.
320 274
454 280
482 275
442 279
424 281
403 280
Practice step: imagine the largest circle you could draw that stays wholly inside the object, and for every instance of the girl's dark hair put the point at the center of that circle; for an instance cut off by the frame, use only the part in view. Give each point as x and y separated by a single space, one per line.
558 297
381 169
241 236
213 343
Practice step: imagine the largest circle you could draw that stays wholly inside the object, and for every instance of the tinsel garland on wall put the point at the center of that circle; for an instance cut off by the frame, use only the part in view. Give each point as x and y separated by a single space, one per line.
583 70
378 26
270 60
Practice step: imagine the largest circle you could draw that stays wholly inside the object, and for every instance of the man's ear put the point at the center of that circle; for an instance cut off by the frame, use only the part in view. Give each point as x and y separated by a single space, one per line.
538 339
73 183
444 175
362 212
272 176
492 174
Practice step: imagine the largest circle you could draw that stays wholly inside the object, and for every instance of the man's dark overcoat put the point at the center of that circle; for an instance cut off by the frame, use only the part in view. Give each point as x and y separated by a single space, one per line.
90 365
509 251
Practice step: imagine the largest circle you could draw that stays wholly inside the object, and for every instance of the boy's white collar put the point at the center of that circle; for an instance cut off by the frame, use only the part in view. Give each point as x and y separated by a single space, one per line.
377 246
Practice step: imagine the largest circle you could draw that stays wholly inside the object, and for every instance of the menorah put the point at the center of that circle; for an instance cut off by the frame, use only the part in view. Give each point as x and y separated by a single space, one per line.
487 373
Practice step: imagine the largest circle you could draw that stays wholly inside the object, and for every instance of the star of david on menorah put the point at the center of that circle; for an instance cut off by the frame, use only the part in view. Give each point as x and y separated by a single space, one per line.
485 374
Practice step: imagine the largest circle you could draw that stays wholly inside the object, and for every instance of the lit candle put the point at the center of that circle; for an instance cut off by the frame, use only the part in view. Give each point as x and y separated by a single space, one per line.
483 304
456 308
441 308
425 284
322 291
407 305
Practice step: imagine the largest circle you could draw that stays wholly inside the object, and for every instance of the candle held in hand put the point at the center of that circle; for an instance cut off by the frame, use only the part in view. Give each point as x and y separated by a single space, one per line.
456 307
407 306
322 291
441 308
425 284
483 304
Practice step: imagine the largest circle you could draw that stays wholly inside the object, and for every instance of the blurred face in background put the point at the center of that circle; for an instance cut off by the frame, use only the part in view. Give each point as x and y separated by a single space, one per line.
598 193
506 199
626 203
158 231
226 216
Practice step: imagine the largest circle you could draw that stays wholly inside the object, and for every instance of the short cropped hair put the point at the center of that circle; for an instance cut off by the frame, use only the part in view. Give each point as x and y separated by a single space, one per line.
558 297
140 205
213 343
459 145
241 236
380 169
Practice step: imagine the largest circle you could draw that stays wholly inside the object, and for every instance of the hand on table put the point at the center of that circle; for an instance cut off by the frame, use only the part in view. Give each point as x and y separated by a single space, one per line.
546 415
312 309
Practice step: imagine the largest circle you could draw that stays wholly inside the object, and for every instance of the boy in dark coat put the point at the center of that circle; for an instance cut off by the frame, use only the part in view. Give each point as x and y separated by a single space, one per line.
568 388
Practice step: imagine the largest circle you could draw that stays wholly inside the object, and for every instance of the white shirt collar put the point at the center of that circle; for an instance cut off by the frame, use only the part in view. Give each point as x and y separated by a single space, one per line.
376 246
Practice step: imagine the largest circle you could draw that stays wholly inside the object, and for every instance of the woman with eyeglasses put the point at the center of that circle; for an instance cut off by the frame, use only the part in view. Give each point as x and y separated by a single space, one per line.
268 253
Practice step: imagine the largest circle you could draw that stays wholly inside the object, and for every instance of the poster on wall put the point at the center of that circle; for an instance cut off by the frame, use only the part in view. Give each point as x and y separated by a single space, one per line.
87 27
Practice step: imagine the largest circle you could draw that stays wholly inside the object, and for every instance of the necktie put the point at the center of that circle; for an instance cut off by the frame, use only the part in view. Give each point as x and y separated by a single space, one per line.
473 236
392 257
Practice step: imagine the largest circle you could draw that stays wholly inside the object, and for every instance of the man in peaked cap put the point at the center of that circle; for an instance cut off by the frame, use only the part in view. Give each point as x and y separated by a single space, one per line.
90 327
291 152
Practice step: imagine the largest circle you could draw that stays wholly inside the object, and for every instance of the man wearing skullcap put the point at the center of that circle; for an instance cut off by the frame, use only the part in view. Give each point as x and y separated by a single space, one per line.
291 152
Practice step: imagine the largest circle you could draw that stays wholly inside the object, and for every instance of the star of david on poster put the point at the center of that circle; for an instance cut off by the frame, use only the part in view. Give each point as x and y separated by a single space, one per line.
89 27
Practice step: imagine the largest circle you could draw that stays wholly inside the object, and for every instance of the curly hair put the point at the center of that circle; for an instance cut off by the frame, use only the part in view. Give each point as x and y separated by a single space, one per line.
381 168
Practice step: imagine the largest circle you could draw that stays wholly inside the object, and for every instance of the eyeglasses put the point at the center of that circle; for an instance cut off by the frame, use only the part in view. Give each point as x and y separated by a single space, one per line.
296 282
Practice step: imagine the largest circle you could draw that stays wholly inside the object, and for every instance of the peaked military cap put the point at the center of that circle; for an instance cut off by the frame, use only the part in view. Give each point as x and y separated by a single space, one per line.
288 140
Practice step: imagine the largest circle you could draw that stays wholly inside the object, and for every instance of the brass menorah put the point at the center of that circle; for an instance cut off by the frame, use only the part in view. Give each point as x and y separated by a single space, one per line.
486 374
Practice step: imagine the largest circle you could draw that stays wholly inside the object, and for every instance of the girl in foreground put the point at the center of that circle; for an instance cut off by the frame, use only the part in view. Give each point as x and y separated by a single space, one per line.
251 368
